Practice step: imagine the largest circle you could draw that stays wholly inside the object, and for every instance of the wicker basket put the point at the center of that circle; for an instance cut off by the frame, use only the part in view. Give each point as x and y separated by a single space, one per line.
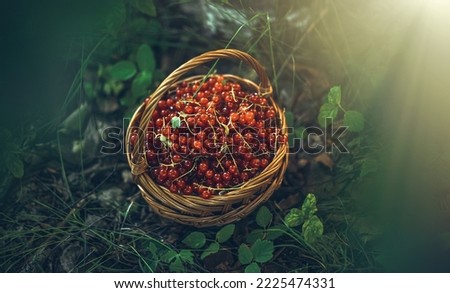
220 209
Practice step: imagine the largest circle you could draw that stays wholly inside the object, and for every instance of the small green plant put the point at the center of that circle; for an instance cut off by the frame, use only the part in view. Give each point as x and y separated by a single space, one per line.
178 260
261 251
222 236
165 256
354 120
259 247
264 219
138 69
312 226
197 240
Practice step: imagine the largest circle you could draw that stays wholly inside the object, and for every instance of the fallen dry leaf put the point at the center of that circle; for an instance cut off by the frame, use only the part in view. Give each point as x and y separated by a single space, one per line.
325 160
291 201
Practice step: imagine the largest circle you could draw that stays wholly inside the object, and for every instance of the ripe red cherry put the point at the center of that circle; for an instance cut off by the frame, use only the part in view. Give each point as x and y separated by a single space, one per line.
176 158
209 174
189 109
197 144
255 163
217 178
173 188
226 176
270 113
264 162
205 194
203 167
133 139
232 169
188 189
204 101
173 174
187 164
179 106
162 174
249 116
162 105
181 183
151 155
159 122
234 117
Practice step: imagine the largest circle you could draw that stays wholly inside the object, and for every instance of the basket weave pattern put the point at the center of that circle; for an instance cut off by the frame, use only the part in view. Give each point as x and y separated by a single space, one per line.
220 209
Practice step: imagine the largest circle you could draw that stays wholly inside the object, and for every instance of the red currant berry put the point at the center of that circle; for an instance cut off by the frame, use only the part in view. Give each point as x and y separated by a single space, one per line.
255 163
203 167
205 194
188 189
226 176
133 139
209 174
162 105
270 113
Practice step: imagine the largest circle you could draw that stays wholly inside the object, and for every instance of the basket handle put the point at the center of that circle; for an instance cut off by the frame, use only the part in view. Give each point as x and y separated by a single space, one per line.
210 56
139 163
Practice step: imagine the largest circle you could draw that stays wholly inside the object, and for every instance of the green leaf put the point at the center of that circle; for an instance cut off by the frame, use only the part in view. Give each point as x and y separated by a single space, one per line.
145 58
354 120
294 218
89 89
145 6
262 250
245 255
299 132
122 70
115 16
264 217
195 240
152 248
148 265
177 266
107 88
116 87
312 229
275 231
128 101
368 166
252 268
309 207
211 249
176 122
169 256
14 165
327 110
163 139
334 95
140 85
186 256
255 235
289 119
225 233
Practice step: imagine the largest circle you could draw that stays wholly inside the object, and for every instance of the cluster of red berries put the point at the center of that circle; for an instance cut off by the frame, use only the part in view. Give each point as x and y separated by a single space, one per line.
208 137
